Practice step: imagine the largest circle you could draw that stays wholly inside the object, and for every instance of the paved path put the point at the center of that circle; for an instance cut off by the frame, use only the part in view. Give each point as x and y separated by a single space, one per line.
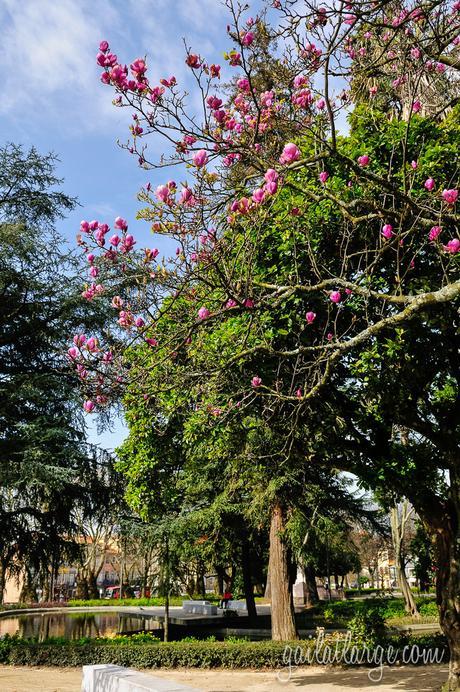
398 679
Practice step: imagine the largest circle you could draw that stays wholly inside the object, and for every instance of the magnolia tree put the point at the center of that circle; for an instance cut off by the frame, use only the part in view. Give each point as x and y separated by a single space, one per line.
300 244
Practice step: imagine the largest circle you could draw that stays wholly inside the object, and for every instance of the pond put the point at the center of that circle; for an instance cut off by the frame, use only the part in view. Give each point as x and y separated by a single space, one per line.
73 625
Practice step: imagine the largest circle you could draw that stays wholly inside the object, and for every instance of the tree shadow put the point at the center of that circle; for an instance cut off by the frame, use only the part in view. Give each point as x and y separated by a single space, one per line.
403 678
395 679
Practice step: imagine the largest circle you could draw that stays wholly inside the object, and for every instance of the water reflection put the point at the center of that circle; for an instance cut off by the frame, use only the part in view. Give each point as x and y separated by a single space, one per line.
72 625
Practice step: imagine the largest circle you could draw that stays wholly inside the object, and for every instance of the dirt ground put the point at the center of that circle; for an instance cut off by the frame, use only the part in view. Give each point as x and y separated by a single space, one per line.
316 679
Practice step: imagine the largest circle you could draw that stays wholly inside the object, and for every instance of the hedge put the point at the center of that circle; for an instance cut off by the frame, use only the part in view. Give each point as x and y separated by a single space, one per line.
204 654
170 655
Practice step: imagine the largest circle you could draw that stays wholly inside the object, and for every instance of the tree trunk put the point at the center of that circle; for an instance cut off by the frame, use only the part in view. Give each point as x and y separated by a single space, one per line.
2 583
247 580
311 590
268 586
398 520
93 591
28 590
200 586
82 592
447 544
282 604
220 580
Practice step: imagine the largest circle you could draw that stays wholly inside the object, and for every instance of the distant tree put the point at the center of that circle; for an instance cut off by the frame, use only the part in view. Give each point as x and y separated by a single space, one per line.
421 547
42 443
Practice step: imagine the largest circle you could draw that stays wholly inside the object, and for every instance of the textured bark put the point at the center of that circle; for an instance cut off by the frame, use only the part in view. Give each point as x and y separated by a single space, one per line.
399 517
282 605
447 545
247 580
200 585
2 583
220 580
82 591
311 591
268 586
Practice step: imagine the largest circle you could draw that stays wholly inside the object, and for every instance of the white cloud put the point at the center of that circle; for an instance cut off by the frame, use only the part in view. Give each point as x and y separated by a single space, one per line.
47 54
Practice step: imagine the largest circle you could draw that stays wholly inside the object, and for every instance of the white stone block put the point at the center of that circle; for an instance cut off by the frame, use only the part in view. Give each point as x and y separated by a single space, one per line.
112 678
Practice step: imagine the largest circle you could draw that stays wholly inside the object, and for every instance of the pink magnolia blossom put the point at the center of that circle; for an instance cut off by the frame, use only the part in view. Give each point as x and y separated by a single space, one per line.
203 313
139 322
435 231
414 165
90 257
121 224
240 205
150 255
271 187
230 303
243 84
387 231
266 98
186 195
271 176
128 243
416 107
72 352
450 196
214 102
310 317
89 406
126 319
248 303
138 67
300 81
247 38
256 381
323 176
79 339
258 195
152 342
335 296
453 246
290 153
363 160
299 393
162 193
114 240
320 104
193 61
302 98
200 158
91 344
429 184
214 71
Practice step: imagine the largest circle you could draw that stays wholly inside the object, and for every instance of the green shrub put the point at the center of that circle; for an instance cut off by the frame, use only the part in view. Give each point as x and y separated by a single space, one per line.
199 654
428 607
142 653
368 627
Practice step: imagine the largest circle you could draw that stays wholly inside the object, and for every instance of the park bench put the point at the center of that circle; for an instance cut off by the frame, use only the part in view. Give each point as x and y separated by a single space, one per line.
110 678
199 607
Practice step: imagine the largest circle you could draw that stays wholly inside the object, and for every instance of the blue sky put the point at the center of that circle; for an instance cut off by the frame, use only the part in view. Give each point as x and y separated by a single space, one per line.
52 96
